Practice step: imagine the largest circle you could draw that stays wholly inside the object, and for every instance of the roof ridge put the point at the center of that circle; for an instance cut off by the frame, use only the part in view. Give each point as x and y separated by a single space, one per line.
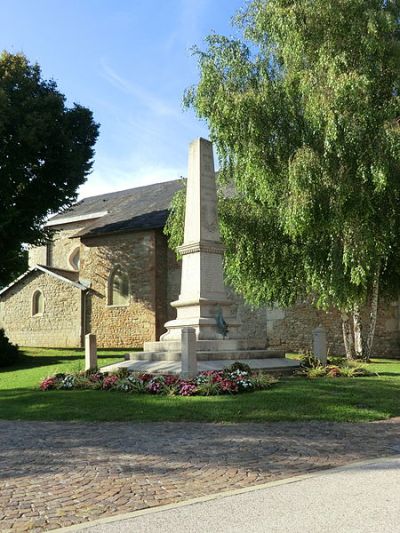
130 189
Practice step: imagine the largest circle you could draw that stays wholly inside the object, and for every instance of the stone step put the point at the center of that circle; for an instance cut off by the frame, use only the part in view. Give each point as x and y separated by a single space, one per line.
277 365
231 355
215 345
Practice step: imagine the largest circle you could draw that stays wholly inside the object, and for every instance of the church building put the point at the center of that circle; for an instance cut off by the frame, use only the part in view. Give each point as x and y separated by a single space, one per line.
108 271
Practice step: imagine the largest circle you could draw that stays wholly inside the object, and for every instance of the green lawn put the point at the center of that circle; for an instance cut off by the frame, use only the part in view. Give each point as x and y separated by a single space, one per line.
293 398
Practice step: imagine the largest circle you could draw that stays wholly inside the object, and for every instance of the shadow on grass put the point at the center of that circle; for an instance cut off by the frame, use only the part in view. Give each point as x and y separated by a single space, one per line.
58 356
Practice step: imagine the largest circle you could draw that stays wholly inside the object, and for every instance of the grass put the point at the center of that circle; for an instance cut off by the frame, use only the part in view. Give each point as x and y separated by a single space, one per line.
293 398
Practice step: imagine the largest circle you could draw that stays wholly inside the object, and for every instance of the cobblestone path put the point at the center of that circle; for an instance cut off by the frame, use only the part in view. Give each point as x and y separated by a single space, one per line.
57 474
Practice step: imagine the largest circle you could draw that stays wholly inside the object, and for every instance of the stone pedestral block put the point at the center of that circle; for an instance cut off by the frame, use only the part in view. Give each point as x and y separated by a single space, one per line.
320 350
90 352
189 354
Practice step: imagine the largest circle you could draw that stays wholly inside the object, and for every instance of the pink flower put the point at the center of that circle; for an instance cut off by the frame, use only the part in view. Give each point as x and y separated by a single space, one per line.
48 383
171 380
228 385
187 388
154 387
109 381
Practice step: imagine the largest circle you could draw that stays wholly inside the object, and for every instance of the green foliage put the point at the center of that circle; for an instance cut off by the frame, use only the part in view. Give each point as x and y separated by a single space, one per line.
46 152
263 381
308 360
303 110
9 353
343 369
174 227
208 387
315 372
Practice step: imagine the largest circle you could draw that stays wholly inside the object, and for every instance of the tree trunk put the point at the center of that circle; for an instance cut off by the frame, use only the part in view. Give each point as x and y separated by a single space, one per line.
347 336
372 317
358 333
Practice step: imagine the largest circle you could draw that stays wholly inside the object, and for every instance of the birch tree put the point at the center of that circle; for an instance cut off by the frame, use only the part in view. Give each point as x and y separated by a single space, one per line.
303 108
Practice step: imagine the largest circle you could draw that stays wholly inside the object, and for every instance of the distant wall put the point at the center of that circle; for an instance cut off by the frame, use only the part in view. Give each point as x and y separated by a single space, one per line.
291 329
60 323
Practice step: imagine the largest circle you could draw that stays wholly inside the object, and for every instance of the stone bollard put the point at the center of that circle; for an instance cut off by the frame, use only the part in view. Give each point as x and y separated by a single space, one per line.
189 354
90 352
320 344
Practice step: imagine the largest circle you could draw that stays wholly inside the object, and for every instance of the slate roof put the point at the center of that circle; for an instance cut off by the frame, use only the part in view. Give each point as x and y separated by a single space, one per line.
67 276
133 209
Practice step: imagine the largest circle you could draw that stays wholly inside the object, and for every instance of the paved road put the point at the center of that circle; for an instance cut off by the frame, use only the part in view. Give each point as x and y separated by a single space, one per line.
356 499
57 474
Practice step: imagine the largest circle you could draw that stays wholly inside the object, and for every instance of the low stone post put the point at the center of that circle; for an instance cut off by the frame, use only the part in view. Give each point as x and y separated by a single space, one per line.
320 350
90 352
189 355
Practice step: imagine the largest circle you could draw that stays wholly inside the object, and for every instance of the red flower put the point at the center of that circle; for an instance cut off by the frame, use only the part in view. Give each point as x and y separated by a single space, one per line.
171 380
109 381
145 377
48 383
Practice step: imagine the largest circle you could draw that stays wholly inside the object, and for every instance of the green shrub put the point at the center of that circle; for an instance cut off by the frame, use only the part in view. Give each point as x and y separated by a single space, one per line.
208 387
346 369
9 353
316 372
264 381
308 360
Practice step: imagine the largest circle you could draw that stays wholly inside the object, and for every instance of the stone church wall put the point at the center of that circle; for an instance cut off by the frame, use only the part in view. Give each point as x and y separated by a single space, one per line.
291 329
62 245
60 323
120 326
37 255
58 252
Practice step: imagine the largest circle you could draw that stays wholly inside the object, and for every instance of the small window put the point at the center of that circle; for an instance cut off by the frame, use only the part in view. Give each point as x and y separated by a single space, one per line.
74 259
37 303
118 288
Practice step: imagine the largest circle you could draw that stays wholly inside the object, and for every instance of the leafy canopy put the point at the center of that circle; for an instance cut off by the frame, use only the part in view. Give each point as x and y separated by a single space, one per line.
303 109
46 152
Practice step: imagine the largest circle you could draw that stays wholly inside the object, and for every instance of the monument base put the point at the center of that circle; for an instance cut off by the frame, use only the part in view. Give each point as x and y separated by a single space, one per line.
241 355
207 350
280 365
215 345
201 315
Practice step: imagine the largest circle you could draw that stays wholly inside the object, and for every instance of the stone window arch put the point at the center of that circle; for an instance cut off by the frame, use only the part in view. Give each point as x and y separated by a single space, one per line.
75 258
37 303
118 287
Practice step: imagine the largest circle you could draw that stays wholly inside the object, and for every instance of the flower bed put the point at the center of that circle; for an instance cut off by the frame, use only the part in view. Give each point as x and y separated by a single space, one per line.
236 379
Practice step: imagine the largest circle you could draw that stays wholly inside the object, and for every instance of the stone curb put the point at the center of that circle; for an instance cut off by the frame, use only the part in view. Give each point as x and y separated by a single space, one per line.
126 516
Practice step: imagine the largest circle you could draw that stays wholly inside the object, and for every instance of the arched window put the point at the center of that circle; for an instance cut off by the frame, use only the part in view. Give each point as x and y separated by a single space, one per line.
74 259
118 288
37 303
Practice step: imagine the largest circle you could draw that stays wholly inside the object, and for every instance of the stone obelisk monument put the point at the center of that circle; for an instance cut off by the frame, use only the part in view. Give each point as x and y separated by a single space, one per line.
203 304
202 301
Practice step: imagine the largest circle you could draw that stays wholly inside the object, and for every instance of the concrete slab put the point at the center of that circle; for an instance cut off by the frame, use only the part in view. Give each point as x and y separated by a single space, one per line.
174 367
359 498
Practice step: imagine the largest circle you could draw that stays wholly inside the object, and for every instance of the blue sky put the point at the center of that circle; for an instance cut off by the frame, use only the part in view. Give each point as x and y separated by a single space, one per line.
128 61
